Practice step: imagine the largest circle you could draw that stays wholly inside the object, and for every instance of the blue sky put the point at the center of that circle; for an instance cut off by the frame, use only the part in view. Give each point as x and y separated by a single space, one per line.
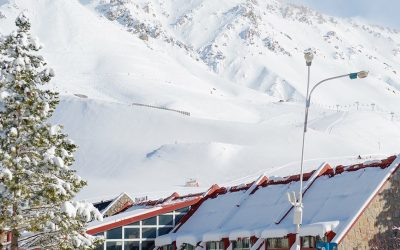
383 12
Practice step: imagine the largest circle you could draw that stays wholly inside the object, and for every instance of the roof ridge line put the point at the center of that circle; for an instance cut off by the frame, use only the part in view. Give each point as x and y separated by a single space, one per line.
243 198
323 168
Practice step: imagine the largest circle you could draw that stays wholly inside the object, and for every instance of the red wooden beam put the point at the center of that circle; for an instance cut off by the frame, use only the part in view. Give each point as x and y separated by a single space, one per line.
164 209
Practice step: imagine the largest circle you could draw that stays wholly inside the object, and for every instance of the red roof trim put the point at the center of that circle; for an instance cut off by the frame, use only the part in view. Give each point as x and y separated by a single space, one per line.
327 170
262 182
173 197
215 190
240 187
164 209
383 164
190 195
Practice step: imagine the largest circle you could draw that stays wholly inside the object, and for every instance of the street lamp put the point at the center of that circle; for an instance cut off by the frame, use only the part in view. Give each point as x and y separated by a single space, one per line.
298 205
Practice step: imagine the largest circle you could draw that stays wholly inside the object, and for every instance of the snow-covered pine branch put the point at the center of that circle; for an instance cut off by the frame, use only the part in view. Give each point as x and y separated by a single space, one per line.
36 181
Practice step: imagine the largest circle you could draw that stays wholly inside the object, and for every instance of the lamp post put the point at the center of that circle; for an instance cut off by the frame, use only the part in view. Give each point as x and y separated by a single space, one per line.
298 204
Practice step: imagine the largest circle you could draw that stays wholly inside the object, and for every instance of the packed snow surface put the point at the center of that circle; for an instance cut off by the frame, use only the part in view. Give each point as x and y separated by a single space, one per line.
236 66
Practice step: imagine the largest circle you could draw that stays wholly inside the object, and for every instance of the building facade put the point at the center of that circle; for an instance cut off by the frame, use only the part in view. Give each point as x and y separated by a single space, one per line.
345 207
134 225
141 234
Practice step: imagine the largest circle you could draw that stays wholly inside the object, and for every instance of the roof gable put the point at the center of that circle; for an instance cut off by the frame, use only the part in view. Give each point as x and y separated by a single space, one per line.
117 205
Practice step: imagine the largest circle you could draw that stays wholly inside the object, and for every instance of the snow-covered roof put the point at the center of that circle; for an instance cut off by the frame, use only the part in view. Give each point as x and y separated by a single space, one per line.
107 207
120 217
333 199
143 210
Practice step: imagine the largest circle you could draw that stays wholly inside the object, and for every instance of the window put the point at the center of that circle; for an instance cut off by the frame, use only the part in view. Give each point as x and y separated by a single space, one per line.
308 241
114 245
150 221
132 233
115 233
148 245
183 210
186 247
136 223
149 232
165 220
164 230
241 244
178 217
140 235
215 245
99 234
167 247
276 243
132 245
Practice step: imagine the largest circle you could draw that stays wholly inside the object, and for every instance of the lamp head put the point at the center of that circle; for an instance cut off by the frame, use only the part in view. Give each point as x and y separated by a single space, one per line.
309 56
291 197
362 74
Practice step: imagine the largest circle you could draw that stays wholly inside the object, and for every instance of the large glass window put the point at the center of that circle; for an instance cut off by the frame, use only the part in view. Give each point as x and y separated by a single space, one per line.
178 217
148 245
165 219
132 233
115 233
114 245
276 243
150 221
132 245
183 210
241 244
140 235
164 230
99 234
136 223
149 232
215 245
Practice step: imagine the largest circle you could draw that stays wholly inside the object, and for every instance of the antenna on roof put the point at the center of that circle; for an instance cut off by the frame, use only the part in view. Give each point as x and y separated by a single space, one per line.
292 197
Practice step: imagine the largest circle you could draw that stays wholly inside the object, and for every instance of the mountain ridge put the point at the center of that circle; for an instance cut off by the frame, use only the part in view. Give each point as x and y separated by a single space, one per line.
246 108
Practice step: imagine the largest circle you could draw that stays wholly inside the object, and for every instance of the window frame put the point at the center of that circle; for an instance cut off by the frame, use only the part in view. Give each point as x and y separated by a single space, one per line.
140 225
280 243
241 241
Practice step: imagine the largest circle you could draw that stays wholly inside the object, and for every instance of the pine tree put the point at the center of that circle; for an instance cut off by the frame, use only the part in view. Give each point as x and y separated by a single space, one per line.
36 182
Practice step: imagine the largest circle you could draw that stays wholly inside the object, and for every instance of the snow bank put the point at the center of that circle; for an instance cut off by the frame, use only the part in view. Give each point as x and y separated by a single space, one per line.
319 228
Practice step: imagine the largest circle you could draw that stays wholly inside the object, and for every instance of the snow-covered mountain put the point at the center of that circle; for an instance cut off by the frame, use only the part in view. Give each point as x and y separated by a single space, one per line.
235 65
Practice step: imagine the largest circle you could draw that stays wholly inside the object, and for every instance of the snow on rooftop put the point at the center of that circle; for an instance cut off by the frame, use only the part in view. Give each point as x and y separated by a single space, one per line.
145 207
122 216
330 204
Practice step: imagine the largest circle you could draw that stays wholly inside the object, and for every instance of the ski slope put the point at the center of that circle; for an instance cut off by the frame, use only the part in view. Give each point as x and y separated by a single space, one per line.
244 92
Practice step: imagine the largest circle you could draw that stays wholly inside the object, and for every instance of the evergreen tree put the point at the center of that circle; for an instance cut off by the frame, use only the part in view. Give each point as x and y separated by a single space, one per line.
36 182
